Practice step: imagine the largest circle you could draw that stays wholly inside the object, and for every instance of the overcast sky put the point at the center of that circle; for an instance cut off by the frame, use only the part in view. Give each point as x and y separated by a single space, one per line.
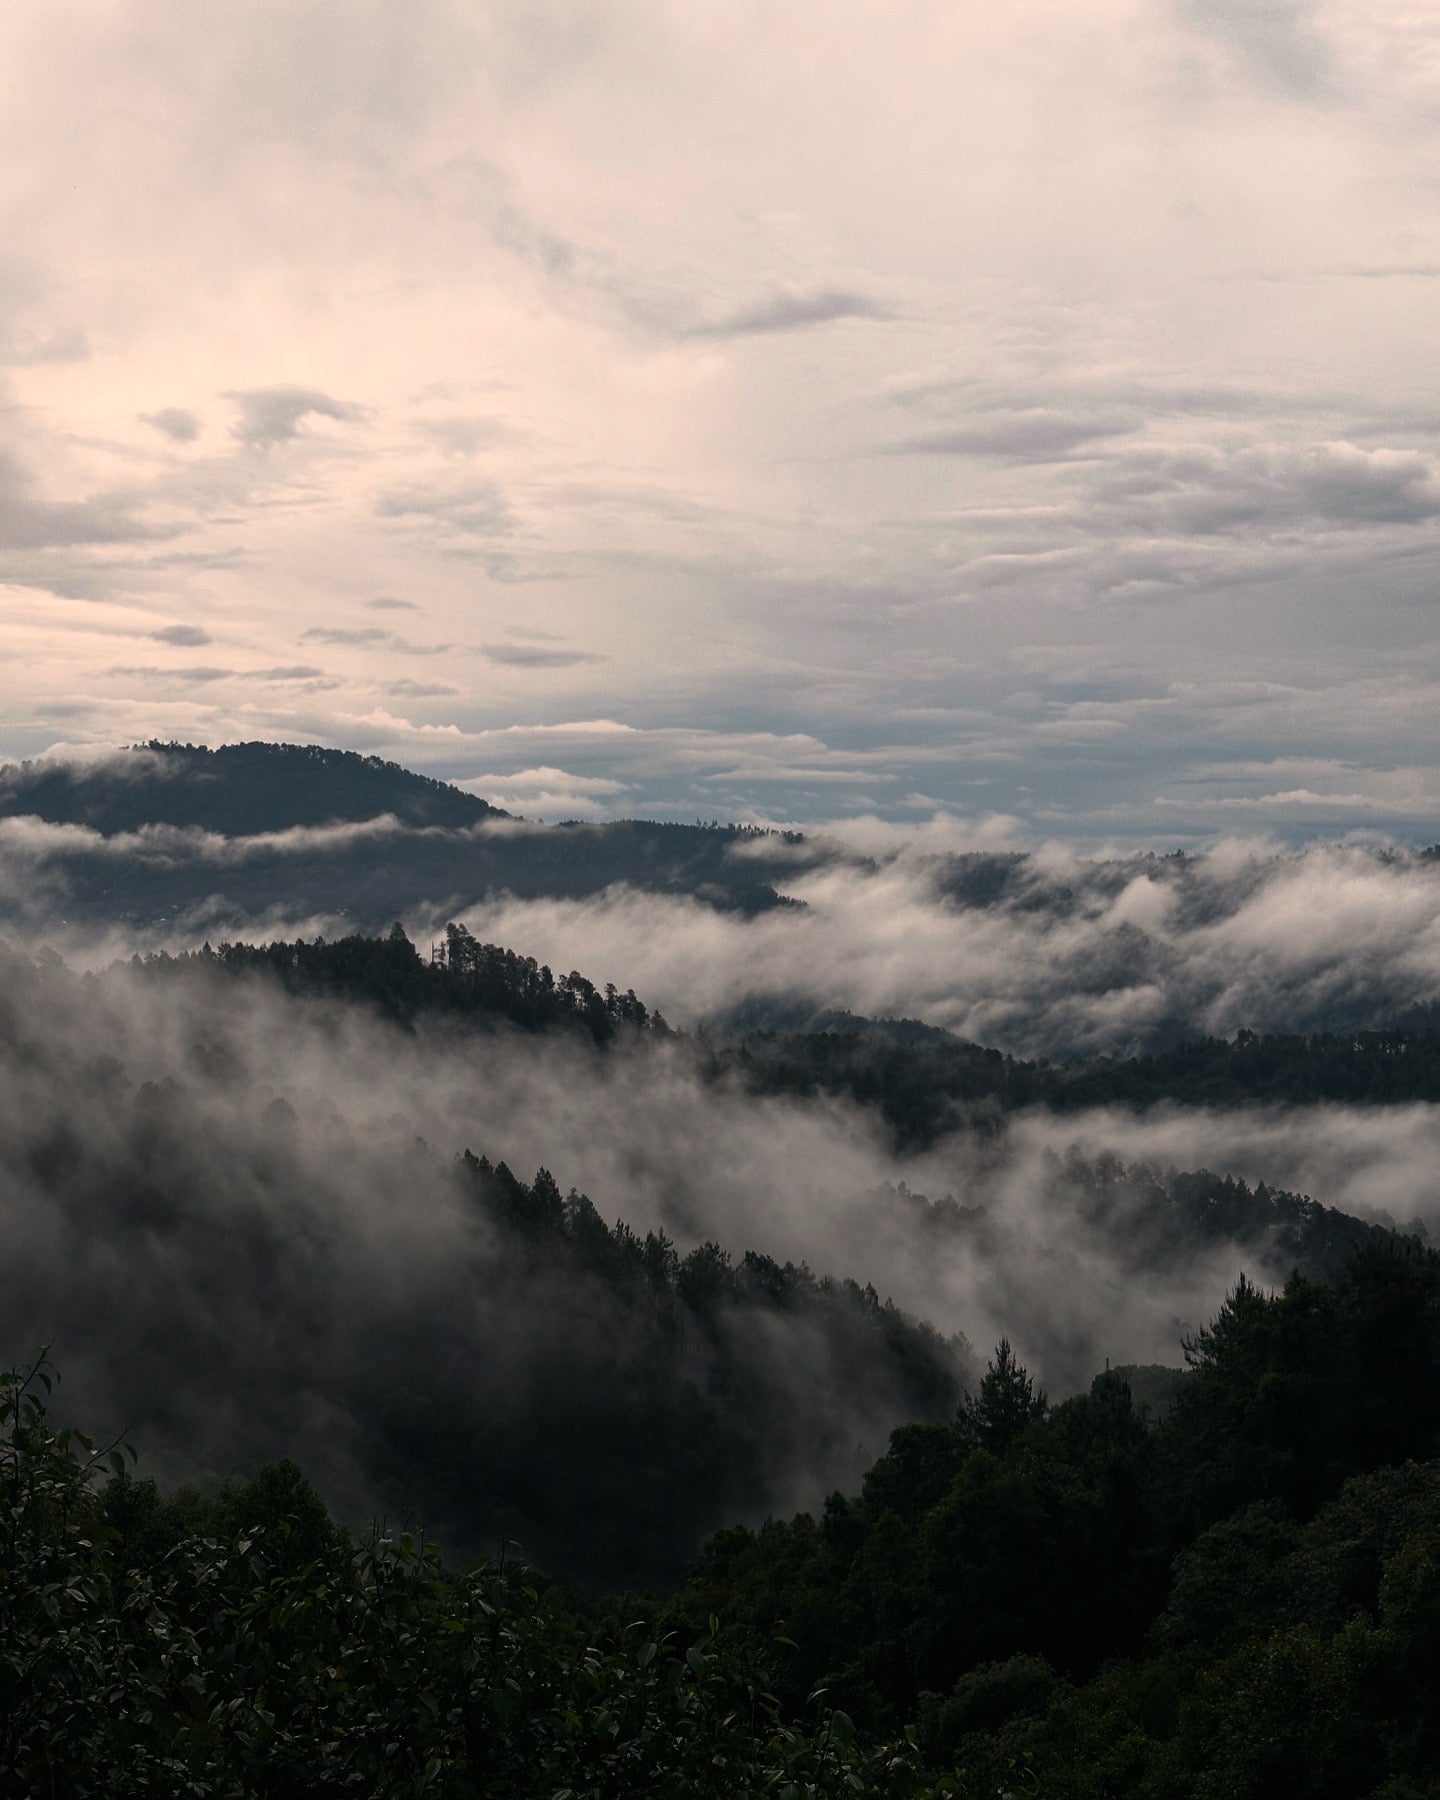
739 409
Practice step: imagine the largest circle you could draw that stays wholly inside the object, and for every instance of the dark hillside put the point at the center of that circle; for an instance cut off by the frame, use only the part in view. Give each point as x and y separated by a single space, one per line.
239 790
481 983
926 1083
431 850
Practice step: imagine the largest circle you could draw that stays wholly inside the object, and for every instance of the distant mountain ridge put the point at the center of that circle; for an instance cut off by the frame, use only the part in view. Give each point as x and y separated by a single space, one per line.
435 854
238 790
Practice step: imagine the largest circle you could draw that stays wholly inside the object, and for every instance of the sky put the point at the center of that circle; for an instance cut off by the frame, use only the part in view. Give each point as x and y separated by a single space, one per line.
755 411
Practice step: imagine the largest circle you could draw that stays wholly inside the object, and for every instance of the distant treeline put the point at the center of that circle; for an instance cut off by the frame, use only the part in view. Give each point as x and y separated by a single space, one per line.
283 810
923 1082
1153 1219
924 1089
462 977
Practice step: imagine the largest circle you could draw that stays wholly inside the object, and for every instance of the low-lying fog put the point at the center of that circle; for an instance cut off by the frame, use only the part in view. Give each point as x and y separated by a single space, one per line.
294 1229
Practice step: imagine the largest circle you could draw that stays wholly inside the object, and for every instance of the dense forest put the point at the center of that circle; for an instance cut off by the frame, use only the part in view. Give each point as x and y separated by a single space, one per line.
478 983
1237 1598
922 1081
925 1087
222 838
478 1349
637 1526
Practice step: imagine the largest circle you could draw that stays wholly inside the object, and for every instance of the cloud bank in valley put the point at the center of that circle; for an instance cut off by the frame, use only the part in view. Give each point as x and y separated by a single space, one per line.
216 1205
1039 953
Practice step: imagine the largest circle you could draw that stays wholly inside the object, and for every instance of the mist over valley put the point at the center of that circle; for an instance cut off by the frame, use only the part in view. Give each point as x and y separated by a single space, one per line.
719 900
244 1197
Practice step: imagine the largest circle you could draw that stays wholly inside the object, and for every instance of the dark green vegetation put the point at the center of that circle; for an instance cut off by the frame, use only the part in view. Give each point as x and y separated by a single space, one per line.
238 790
1151 1220
923 1081
484 1352
1232 1591
410 842
479 984
1241 1599
926 1083
246 1646
671 1409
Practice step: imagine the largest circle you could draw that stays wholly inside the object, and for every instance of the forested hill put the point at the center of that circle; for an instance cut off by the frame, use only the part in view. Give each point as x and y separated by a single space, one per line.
234 1230
1151 1219
923 1081
416 844
925 1087
239 790
1240 1600
479 983
1237 1599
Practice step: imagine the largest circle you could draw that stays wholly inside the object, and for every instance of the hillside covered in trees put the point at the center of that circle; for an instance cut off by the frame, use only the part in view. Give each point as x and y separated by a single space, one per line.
480 984
922 1081
927 1082
700 1568
237 790
225 837
204 1231
1239 1598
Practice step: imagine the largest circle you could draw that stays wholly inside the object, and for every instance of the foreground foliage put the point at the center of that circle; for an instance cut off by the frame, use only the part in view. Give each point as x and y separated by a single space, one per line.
1239 1599
248 1646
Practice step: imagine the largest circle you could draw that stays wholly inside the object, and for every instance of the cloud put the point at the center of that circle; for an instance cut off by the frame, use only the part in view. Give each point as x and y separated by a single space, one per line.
346 634
362 637
532 290
386 603
420 690
186 636
299 1226
1338 485
550 793
538 656
187 672
1042 953
794 309
1034 435
475 508
67 345
279 1289
273 415
184 673
176 422
1277 40
463 437
28 522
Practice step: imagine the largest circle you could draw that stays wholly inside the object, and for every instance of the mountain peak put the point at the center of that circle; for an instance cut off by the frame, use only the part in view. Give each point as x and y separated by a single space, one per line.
239 790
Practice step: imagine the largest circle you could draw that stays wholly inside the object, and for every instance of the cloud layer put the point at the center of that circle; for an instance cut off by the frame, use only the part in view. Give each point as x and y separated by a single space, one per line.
1042 954
215 1201
1023 412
